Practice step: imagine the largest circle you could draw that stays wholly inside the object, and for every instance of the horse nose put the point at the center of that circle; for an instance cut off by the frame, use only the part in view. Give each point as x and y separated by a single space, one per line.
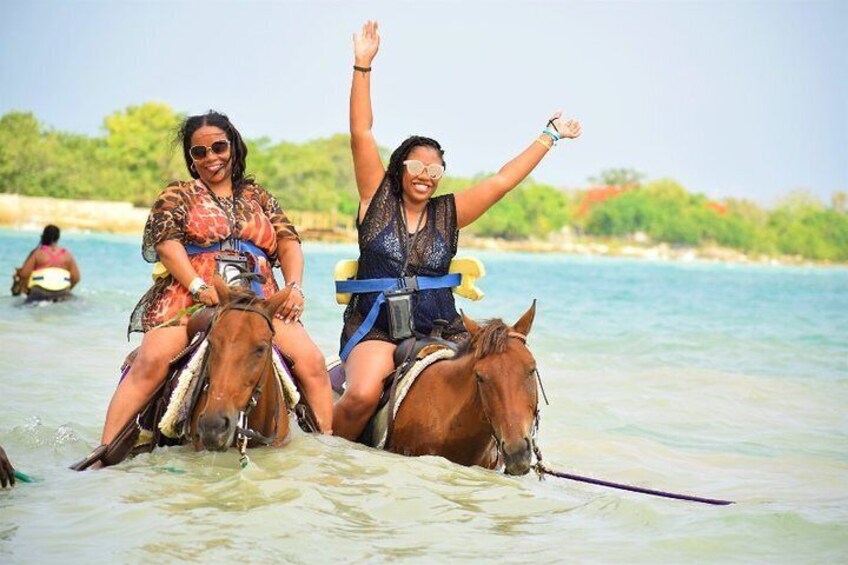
517 456
215 431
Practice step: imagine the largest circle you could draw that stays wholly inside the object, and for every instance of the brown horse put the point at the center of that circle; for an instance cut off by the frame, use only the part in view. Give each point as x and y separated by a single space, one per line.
18 282
242 395
479 408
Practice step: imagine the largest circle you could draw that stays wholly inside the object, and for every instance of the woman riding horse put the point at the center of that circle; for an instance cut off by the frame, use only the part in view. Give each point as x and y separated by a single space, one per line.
219 219
404 231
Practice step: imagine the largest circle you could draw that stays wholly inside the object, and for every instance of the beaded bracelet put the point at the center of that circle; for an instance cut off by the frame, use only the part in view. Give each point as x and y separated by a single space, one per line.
297 287
553 134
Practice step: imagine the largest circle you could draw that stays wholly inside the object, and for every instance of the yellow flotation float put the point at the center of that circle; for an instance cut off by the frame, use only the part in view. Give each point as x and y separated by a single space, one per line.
160 271
54 279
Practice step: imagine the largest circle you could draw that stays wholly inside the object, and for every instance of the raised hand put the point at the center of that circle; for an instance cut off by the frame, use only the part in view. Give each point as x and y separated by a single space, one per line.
567 129
366 44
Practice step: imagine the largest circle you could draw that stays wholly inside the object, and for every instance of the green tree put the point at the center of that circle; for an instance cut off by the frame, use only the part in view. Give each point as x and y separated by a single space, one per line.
140 150
24 154
618 177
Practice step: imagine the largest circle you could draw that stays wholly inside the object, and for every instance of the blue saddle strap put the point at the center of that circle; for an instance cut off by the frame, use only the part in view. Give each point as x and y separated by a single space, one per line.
381 286
239 246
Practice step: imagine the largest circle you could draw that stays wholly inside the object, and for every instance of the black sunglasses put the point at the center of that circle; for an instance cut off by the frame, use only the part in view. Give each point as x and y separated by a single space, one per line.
219 147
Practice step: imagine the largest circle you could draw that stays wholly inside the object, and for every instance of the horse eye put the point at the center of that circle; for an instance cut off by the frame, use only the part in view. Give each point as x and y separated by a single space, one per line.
260 350
478 377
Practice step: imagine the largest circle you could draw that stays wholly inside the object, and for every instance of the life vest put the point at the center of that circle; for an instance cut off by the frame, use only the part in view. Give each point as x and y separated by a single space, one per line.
462 275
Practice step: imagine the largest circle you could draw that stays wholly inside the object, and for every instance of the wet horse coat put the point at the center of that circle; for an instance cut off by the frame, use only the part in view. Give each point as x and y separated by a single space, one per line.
479 408
238 378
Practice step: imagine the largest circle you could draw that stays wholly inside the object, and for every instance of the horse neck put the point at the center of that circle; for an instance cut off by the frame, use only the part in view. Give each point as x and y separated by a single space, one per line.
465 403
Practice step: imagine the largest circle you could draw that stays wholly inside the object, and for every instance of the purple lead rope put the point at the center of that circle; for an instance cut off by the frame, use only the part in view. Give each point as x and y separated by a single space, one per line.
542 470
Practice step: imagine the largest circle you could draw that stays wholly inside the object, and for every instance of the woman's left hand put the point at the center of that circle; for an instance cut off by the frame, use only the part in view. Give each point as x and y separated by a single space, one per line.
567 129
292 308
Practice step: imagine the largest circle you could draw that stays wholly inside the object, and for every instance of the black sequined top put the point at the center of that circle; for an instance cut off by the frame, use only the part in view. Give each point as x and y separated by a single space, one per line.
383 239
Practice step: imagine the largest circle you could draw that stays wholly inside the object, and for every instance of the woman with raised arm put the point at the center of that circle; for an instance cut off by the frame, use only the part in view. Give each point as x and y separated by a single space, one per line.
405 231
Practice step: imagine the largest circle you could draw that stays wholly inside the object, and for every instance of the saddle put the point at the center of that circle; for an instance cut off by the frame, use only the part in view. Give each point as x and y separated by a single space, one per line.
407 354
142 433
129 441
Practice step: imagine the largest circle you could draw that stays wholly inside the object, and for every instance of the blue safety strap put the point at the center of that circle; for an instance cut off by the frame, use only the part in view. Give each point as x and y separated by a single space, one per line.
239 246
381 286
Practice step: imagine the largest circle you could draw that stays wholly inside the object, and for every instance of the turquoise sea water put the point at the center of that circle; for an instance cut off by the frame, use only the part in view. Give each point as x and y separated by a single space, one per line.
721 380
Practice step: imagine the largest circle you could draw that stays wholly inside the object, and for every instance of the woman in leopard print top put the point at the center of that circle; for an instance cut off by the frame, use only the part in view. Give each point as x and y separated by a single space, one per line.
221 203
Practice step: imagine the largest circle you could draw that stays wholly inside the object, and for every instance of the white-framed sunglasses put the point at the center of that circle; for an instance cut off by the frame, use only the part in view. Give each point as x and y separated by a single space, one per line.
415 167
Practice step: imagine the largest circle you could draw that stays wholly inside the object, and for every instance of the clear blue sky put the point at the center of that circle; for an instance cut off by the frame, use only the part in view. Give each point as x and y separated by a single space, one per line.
731 99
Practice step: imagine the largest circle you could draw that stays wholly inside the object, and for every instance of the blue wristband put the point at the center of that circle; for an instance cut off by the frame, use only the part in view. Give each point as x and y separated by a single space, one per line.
553 134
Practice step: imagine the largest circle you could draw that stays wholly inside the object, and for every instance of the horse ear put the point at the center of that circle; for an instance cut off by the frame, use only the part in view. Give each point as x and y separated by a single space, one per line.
470 325
273 304
222 289
523 325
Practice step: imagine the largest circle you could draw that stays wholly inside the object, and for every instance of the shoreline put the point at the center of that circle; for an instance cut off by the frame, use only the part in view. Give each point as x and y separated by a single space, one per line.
85 216
597 247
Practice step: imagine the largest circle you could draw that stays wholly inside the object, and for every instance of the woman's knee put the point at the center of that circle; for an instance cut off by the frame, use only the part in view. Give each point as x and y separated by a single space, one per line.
309 364
151 363
362 398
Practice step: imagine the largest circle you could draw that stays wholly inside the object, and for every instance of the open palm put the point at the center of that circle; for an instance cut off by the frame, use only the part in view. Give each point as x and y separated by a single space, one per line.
567 129
366 43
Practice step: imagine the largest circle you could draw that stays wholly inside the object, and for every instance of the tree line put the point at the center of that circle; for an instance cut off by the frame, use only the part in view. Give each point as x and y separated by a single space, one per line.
136 155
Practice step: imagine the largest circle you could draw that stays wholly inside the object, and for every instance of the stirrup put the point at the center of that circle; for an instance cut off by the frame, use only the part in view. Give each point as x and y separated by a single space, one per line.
306 418
90 459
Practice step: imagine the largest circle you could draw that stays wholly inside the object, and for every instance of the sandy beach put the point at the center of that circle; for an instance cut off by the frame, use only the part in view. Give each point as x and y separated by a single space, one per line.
26 212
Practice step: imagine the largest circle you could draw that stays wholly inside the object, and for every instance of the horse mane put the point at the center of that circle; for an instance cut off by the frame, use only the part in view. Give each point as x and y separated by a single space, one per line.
492 338
242 297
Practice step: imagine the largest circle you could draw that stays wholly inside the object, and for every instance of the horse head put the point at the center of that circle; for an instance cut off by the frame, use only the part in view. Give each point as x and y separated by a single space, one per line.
18 282
239 361
505 372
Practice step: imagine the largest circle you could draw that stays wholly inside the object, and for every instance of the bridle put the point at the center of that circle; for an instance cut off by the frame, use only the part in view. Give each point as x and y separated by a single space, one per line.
537 414
243 432
542 470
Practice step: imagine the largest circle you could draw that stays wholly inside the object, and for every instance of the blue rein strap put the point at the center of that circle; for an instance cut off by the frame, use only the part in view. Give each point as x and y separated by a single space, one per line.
381 286
239 246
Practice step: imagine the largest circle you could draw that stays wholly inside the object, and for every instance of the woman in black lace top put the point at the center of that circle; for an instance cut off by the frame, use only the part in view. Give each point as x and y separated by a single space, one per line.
403 231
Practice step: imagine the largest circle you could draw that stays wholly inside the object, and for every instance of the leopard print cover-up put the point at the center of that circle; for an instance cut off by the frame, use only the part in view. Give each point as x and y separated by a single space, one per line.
190 213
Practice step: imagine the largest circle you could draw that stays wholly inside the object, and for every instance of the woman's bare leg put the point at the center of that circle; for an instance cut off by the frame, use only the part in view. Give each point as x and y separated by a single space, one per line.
310 370
148 370
366 368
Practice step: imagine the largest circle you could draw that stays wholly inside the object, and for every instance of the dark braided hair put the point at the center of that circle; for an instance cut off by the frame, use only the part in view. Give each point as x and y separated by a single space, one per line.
238 149
394 172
